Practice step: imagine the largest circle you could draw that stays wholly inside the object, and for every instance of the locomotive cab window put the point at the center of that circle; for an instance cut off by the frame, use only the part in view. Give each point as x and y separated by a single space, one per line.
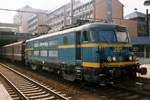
122 34
122 37
106 36
88 36
92 36
85 36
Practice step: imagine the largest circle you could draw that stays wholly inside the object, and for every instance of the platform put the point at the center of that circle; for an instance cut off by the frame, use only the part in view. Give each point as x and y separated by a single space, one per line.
3 93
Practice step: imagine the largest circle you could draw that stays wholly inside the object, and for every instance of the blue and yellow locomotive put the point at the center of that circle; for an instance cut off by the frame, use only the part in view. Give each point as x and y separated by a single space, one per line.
95 52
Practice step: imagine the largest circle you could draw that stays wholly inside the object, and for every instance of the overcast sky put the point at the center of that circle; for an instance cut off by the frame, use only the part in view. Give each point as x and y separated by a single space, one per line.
7 16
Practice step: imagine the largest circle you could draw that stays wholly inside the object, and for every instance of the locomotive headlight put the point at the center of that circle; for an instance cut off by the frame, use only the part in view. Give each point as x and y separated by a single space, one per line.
130 58
114 58
109 58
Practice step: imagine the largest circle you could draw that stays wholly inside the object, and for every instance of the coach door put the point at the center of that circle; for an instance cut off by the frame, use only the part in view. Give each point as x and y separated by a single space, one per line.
78 48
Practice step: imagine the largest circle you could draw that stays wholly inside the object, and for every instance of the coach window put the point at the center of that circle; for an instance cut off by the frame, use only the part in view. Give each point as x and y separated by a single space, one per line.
92 36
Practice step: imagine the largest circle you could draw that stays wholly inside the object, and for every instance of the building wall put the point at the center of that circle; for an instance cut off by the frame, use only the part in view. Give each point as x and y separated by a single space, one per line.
28 22
100 9
117 9
108 9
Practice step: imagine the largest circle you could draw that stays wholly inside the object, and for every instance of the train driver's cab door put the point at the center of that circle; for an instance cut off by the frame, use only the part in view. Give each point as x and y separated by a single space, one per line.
78 43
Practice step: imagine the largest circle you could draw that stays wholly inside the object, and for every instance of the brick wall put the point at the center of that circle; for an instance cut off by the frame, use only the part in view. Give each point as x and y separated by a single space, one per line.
132 26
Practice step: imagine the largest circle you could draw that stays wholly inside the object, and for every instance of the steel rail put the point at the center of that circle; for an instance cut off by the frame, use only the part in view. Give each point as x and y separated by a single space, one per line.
54 93
21 95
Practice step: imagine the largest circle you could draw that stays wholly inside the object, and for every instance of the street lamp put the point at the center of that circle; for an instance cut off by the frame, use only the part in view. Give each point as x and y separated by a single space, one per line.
147 3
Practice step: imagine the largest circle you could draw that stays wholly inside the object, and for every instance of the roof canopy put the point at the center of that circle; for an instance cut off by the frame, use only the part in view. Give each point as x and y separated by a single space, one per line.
135 14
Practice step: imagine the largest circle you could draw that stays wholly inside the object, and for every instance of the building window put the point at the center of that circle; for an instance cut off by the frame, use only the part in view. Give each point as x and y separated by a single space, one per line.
142 29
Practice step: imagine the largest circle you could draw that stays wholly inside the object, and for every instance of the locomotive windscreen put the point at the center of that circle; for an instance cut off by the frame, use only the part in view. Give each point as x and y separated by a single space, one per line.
111 36
122 34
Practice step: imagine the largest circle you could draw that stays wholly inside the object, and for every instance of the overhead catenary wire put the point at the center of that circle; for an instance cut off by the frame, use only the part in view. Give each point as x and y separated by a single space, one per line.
33 12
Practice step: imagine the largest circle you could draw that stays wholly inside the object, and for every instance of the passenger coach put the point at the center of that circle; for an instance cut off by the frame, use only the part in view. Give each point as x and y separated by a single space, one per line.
14 51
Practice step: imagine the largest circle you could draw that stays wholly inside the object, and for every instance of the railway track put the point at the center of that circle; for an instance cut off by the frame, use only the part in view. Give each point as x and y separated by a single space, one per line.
24 88
118 92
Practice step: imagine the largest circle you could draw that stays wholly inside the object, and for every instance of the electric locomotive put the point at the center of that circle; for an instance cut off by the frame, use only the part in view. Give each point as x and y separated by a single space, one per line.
94 52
